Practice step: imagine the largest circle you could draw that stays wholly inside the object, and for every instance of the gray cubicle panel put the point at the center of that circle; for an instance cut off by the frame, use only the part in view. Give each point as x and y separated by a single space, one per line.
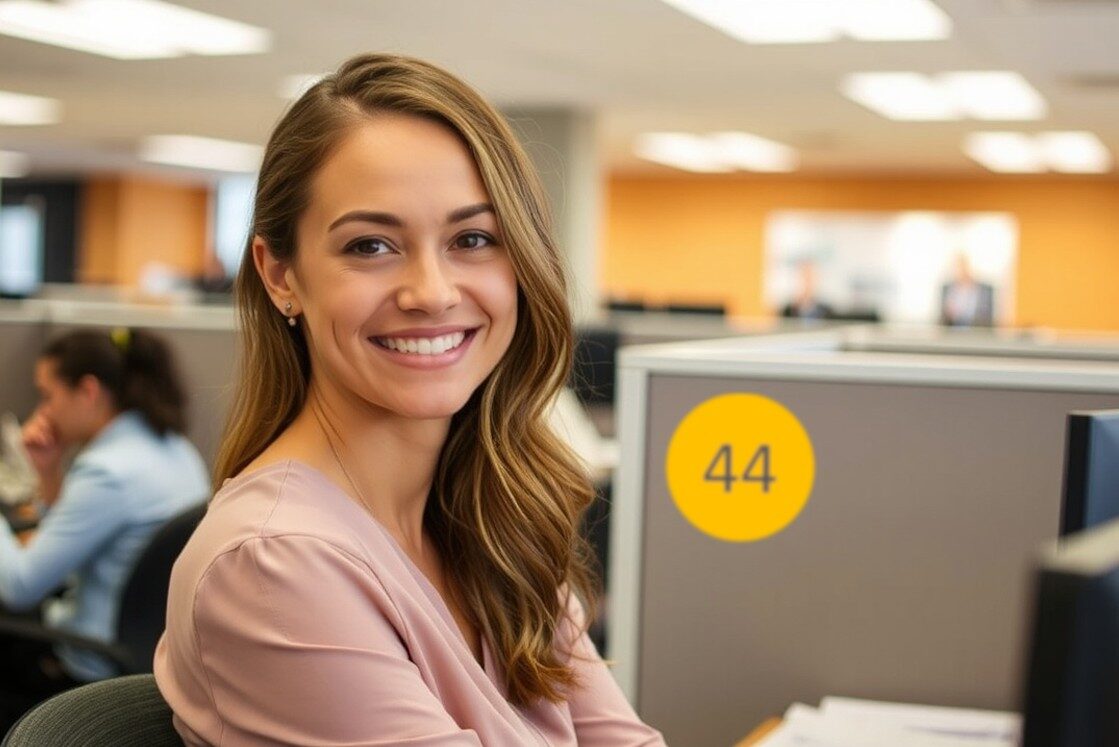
21 339
905 578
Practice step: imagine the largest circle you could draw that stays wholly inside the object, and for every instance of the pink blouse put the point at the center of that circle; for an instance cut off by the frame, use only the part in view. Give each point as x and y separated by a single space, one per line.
295 618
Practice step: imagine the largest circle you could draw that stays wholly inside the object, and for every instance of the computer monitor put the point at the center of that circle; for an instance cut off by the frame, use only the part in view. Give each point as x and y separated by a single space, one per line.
21 250
1091 487
1072 689
595 365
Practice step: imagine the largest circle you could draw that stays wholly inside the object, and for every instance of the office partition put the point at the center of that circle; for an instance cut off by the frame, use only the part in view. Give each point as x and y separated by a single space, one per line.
905 575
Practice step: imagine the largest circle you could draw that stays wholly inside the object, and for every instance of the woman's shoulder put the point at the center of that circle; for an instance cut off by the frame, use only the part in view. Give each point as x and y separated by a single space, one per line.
287 499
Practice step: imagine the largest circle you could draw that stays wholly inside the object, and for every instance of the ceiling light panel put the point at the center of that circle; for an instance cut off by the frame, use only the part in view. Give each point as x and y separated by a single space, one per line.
907 96
202 153
719 152
892 20
752 153
993 95
1005 152
808 21
21 109
1075 152
129 29
681 150
903 96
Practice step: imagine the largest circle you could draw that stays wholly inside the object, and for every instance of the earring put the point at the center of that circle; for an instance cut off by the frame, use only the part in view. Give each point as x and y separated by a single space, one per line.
287 313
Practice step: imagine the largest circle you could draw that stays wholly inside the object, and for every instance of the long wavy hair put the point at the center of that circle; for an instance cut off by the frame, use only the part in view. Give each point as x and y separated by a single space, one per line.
508 496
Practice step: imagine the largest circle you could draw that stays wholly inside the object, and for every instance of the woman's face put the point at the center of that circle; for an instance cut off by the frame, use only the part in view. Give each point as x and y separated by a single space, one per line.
71 411
407 295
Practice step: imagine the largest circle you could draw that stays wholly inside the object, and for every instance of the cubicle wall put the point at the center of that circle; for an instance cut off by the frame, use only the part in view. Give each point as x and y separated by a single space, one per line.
21 338
203 341
904 578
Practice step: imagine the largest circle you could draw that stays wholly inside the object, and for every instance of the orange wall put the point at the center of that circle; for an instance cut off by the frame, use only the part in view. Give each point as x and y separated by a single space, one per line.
700 239
128 222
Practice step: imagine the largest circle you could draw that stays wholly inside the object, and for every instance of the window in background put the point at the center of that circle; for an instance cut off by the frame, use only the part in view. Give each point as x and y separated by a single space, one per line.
233 213
897 264
21 250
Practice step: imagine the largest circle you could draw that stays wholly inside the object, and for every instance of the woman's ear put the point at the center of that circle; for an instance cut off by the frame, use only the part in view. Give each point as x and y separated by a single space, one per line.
276 276
89 388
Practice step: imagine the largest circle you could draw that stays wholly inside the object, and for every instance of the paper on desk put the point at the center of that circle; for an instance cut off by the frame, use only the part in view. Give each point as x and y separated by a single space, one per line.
991 725
805 726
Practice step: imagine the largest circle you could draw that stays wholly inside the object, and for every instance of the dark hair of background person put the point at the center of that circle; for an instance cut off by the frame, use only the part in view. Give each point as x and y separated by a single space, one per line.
135 367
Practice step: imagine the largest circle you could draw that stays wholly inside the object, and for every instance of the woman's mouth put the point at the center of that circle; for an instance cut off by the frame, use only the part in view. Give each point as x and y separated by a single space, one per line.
425 345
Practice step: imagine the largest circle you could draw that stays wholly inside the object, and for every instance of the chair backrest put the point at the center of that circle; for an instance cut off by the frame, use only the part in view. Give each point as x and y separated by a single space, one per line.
120 712
143 604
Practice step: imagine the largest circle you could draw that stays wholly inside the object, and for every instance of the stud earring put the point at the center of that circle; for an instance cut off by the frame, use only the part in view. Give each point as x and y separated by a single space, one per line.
287 313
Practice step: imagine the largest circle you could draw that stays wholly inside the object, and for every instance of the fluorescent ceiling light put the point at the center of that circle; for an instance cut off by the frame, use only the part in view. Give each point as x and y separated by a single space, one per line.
909 96
21 109
720 152
14 165
899 96
129 29
682 151
892 20
1005 152
805 21
1074 152
202 153
993 95
294 86
753 153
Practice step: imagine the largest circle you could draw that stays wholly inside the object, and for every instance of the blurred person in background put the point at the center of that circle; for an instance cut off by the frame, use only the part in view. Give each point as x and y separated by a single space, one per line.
965 302
117 401
807 304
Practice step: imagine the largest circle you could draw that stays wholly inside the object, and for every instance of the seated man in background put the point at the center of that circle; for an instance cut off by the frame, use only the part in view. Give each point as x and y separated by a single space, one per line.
117 399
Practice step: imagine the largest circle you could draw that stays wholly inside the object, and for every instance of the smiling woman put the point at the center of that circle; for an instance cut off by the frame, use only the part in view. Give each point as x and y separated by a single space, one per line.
392 554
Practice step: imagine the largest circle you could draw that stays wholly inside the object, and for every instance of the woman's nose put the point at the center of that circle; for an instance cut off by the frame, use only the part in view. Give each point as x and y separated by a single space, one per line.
429 287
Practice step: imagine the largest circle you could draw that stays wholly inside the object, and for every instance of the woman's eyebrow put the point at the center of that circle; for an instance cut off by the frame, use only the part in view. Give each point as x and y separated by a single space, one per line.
388 219
457 216
367 216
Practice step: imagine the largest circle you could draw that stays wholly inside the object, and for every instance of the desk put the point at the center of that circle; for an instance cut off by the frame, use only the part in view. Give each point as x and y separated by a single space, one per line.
757 734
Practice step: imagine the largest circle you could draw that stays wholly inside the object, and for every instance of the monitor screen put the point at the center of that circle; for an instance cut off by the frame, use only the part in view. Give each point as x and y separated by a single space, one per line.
21 250
1072 687
1091 486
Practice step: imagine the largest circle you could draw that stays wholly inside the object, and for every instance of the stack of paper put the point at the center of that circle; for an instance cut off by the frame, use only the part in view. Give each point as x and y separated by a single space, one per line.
846 722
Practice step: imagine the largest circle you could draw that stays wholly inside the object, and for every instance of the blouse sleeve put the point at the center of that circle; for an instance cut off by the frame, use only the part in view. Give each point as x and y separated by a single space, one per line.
601 714
297 646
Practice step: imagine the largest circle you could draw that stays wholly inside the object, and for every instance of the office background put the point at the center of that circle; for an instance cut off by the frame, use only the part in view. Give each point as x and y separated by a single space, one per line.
130 235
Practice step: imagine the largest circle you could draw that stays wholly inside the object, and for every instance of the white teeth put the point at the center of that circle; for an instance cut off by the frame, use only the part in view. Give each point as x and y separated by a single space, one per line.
423 345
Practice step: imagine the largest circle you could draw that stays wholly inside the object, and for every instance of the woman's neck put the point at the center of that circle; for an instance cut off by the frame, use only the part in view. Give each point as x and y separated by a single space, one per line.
385 461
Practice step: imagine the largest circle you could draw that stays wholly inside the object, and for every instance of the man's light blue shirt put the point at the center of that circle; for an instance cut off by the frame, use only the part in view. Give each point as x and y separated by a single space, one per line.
119 490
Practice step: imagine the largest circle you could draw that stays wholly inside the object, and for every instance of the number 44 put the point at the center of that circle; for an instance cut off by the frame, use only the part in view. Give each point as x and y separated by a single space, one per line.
756 471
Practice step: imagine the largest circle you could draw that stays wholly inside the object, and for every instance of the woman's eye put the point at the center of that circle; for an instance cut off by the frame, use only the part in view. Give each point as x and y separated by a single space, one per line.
368 247
473 241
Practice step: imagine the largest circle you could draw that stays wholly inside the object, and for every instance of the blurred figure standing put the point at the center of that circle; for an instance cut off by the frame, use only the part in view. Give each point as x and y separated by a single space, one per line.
965 302
806 304
117 399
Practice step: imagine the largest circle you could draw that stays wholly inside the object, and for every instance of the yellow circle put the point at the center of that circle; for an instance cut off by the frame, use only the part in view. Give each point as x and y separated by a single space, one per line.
740 467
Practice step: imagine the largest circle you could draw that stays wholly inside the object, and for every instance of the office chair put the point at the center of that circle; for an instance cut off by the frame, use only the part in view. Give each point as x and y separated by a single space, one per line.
121 712
143 604
595 364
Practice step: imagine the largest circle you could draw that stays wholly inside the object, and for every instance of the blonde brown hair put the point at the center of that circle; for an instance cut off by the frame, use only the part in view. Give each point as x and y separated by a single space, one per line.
508 496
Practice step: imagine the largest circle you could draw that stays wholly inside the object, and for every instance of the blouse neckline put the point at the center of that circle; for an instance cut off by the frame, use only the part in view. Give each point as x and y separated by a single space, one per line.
488 663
